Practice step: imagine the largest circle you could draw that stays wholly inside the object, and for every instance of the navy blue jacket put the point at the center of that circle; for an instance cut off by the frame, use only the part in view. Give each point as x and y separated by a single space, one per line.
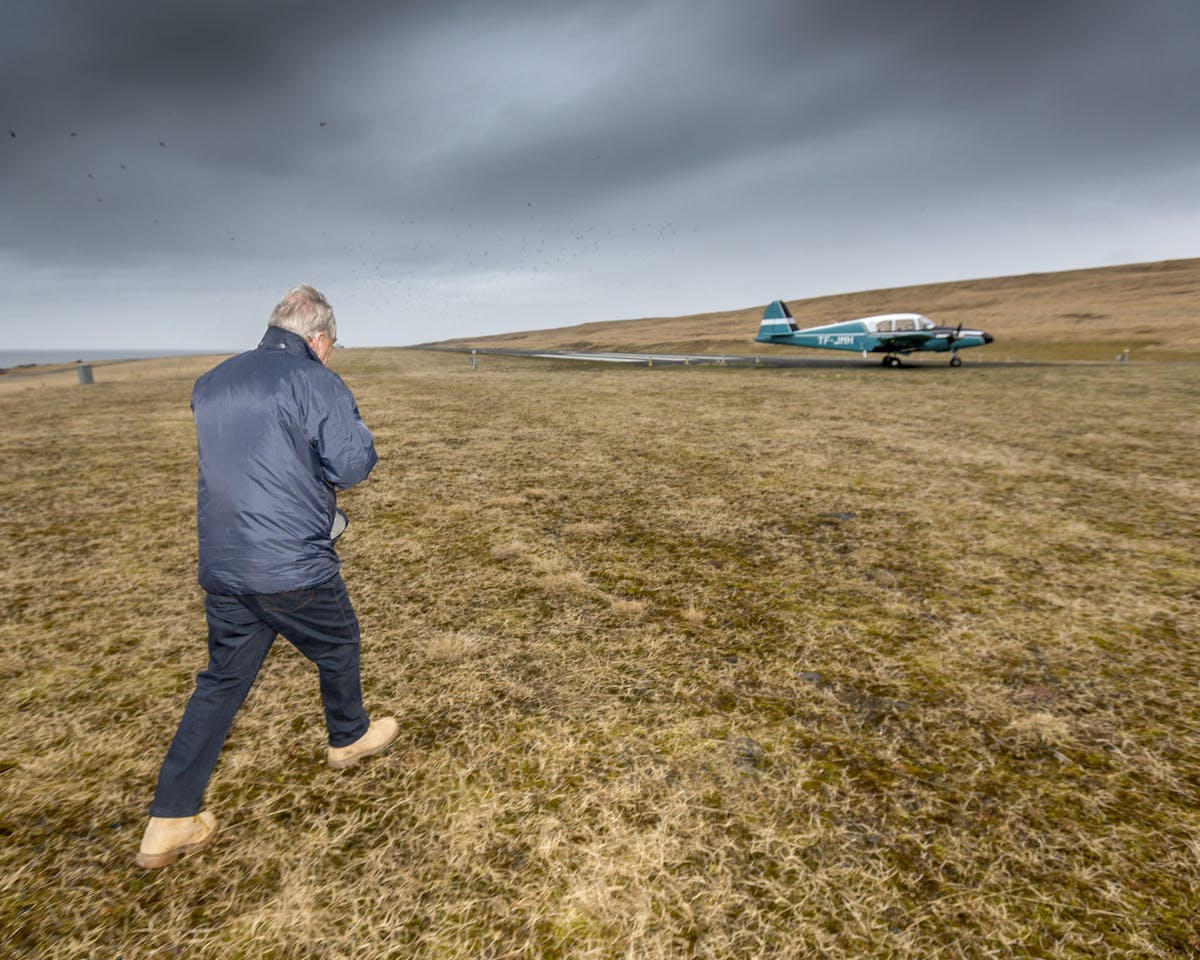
277 433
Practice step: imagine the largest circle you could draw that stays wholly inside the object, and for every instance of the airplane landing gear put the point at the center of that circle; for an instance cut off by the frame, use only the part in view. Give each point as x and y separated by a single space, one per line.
955 360
890 361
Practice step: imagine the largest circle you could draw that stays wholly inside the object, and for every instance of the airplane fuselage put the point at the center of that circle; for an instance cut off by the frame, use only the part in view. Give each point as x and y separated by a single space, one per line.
854 335
890 334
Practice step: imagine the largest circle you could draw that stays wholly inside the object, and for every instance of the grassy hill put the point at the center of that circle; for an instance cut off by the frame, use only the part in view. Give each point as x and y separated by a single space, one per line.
1150 308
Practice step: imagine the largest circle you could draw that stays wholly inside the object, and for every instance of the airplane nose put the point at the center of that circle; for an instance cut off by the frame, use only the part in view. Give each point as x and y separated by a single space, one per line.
988 338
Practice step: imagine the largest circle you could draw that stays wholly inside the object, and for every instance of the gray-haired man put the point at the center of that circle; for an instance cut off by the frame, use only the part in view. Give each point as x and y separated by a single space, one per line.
278 433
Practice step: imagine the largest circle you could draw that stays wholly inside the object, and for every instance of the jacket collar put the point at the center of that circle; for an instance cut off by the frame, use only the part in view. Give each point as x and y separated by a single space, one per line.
276 338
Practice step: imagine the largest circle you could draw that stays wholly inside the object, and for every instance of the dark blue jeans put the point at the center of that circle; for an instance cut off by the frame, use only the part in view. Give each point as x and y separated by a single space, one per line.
319 621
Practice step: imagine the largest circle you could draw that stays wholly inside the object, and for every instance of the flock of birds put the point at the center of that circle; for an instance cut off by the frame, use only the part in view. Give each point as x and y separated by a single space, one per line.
12 134
426 264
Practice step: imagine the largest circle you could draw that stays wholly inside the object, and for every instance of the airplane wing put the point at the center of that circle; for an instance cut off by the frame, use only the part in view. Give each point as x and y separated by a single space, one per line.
903 341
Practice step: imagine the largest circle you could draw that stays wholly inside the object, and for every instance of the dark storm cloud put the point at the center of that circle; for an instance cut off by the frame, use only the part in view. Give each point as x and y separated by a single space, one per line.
449 147
223 76
1009 91
686 85
194 50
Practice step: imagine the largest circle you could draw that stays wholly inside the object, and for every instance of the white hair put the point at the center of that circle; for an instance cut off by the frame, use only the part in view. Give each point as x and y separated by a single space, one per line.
304 310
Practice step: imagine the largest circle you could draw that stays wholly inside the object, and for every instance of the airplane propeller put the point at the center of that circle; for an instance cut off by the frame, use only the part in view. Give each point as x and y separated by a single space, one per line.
954 361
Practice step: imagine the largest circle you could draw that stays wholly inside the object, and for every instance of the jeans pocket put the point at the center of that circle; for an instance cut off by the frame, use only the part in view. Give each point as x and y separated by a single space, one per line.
290 601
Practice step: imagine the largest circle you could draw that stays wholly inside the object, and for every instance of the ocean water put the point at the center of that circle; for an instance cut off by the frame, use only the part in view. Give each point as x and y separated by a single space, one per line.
17 358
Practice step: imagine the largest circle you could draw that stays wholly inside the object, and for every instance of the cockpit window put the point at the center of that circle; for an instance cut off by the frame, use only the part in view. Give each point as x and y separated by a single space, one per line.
926 323
883 326
905 324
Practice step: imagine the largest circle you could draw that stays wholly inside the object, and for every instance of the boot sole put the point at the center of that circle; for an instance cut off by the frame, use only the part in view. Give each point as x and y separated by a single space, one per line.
153 861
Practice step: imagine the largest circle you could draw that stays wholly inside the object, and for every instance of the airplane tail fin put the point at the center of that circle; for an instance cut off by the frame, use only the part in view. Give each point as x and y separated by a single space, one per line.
776 322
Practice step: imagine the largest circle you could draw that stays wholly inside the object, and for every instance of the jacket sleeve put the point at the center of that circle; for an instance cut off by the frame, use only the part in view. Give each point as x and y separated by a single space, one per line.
344 444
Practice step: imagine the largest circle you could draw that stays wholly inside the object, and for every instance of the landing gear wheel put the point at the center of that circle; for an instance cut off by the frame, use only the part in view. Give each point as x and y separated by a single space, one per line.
956 361
890 361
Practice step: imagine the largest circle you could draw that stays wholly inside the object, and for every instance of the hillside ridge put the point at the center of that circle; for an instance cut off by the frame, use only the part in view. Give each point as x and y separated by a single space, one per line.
1151 308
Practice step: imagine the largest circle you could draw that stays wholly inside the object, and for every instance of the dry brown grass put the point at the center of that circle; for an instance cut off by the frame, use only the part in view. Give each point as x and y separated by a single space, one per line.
1150 308
698 662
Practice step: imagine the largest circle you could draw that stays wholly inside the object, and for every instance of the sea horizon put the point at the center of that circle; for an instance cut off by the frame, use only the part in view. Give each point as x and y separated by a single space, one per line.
10 359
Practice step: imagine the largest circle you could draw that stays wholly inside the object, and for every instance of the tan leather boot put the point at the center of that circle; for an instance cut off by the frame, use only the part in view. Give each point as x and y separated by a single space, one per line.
168 838
379 737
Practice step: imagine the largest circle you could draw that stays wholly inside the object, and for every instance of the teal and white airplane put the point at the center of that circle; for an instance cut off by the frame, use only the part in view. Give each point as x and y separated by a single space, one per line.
890 334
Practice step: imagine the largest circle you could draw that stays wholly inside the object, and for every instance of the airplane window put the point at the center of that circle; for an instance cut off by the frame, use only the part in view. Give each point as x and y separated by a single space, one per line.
884 326
926 323
905 325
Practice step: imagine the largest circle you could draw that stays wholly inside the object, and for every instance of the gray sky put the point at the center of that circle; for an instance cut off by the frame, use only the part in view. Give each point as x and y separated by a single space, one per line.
169 169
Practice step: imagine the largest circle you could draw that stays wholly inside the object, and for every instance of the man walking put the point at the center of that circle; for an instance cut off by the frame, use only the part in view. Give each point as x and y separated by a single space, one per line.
278 434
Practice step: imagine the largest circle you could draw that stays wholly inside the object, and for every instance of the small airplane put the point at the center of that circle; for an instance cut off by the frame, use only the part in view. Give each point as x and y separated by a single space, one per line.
890 334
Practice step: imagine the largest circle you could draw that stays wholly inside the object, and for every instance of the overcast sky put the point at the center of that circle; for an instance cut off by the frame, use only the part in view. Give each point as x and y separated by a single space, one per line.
170 169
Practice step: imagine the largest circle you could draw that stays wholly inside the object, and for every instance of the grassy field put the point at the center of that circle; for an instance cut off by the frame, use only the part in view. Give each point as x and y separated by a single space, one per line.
689 662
